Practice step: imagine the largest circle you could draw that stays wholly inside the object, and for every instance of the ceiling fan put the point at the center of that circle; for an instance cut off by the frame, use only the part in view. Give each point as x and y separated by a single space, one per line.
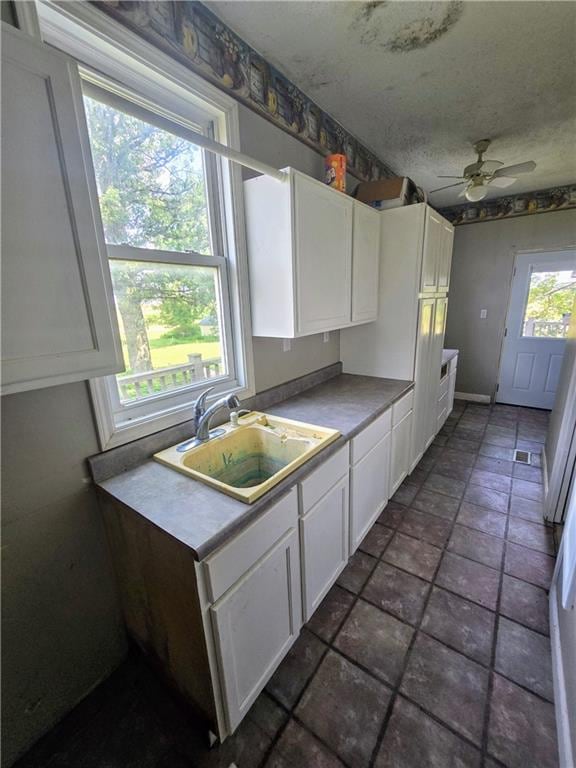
480 175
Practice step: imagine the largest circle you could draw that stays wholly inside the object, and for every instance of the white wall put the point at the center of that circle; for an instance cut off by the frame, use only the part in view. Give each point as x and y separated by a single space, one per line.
62 630
482 267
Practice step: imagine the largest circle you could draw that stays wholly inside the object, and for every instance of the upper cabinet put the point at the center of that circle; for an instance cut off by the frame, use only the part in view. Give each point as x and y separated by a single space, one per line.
313 255
57 323
437 253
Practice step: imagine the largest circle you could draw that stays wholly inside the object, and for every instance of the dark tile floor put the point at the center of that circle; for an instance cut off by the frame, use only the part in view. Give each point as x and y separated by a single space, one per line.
432 650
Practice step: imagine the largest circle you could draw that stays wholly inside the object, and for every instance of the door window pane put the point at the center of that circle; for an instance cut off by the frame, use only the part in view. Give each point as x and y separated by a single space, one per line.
151 183
550 304
170 326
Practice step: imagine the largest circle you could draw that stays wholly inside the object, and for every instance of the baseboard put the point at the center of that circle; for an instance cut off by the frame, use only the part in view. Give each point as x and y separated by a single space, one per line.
472 398
563 720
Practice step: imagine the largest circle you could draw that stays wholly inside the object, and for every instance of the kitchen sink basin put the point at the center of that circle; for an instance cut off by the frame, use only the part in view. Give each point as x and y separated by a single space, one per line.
251 457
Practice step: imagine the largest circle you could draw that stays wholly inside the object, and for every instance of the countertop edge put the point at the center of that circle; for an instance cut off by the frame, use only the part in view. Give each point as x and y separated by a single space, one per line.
254 511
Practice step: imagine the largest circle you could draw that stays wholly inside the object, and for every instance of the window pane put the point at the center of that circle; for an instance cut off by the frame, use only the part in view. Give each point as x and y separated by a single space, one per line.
150 182
170 326
550 304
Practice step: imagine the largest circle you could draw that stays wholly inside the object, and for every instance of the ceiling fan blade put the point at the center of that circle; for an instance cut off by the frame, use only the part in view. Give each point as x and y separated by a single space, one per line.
514 170
502 181
463 193
450 177
449 186
490 166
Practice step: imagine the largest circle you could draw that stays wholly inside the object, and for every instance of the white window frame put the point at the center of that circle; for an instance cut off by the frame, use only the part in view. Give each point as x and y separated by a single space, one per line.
132 66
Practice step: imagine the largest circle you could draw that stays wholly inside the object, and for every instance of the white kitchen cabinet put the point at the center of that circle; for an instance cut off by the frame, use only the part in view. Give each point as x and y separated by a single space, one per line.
406 340
324 533
303 254
424 381
365 263
324 527
437 253
323 237
401 441
58 319
452 370
369 477
445 257
258 618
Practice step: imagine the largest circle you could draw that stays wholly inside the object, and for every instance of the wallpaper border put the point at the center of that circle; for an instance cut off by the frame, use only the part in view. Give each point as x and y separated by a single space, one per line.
509 207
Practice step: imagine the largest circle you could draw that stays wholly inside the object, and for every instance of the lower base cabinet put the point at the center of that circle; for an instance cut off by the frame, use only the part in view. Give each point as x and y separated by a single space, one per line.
255 623
324 540
255 583
369 490
400 456
220 627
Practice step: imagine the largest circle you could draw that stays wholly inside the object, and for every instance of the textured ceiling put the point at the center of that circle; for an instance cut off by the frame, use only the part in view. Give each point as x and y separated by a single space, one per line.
420 82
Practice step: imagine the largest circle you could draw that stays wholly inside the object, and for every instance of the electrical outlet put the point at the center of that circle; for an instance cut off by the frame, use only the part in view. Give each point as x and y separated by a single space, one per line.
483 314
286 345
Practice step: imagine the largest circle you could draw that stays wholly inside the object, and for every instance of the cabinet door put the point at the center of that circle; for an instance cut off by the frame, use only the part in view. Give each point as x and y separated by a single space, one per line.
400 459
57 322
323 254
451 390
369 490
445 256
324 540
433 236
435 366
365 263
422 379
255 623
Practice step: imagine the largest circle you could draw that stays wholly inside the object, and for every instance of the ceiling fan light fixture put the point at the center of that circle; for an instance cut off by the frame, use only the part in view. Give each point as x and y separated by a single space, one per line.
475 192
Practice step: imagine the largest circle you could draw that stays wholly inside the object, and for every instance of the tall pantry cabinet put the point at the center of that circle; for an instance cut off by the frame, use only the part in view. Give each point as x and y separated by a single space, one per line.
407 339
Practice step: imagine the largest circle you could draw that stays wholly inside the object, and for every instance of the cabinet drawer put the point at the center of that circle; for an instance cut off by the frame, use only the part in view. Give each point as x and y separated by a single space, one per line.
369 437
323 478
442 403
402 407
230 562
443 386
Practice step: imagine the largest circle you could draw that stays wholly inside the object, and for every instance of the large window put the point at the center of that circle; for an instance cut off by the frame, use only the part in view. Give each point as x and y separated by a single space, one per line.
173 224
168 281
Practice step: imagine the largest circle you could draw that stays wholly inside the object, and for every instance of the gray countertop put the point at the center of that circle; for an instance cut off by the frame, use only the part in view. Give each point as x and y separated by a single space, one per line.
201 517
448 354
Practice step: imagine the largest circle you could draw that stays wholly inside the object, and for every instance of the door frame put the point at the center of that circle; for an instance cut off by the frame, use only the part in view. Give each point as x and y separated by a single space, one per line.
516 252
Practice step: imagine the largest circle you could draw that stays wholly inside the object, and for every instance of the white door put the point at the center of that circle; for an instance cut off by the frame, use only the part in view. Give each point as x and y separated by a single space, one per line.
324 538
58 324
541 304
369 490
256 622
365 263
323 237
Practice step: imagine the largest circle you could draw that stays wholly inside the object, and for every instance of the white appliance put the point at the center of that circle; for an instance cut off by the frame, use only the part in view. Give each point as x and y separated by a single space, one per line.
406 340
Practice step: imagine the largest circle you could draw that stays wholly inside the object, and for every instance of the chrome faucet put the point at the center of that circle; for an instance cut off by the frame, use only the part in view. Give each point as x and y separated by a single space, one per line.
203 415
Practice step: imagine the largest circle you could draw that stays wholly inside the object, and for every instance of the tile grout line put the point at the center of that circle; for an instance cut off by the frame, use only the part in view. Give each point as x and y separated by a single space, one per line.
489 691
395 690
392 702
